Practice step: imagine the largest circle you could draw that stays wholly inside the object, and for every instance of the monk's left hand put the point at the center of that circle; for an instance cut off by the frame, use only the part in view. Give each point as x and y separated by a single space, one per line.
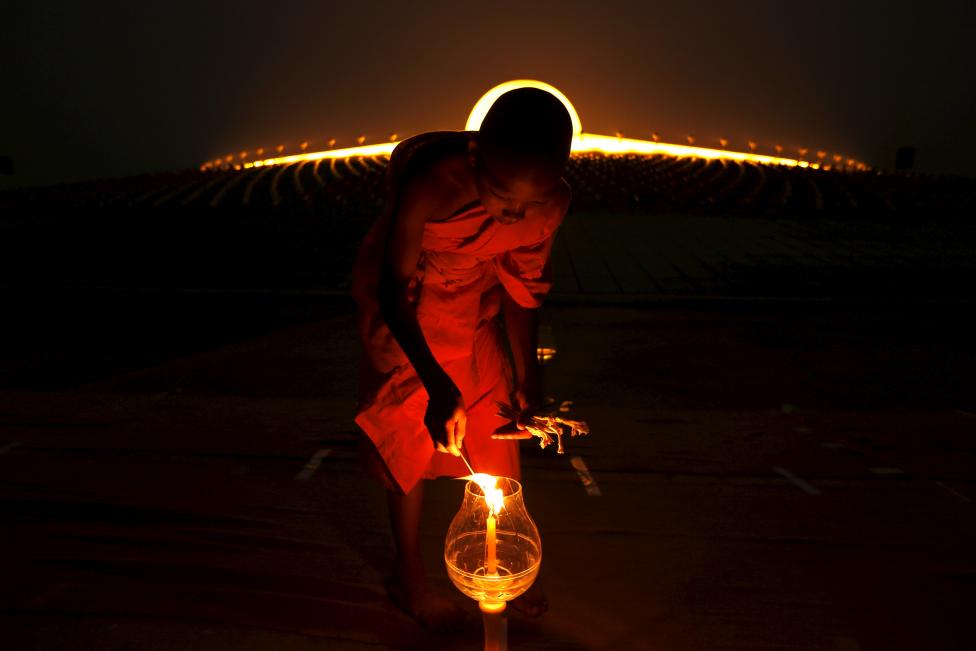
528 399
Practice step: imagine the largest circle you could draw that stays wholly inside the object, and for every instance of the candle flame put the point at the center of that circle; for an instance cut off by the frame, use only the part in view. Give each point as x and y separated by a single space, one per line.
494 497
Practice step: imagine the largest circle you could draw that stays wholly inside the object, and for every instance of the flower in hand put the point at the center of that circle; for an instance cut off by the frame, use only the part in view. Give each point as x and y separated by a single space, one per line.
542 425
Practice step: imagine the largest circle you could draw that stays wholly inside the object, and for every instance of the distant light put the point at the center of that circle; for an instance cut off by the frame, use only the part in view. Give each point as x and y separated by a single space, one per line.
724 142
361 139
803 151
280 148
331 142
385 148
304 145
752 146
655 136
393 137
690 138
260 151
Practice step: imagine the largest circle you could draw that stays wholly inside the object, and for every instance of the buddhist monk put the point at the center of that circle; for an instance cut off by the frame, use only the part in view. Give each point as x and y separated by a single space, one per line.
449 282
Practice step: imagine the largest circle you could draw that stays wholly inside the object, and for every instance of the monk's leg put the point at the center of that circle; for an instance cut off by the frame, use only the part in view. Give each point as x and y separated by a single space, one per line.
409 588
405 512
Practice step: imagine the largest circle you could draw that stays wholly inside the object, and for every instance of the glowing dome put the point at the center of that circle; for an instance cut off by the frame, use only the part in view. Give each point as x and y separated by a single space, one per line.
482 105
582 142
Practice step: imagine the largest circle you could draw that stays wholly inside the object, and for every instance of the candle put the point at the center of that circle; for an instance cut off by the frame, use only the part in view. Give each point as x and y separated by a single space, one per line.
494 501
491 567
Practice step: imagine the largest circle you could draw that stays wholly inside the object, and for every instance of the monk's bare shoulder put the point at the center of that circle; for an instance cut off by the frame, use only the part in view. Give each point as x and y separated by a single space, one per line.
454 179
431 168
433 191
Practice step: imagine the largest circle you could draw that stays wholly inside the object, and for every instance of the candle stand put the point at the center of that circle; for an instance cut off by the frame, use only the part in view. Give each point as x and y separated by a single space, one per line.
492 550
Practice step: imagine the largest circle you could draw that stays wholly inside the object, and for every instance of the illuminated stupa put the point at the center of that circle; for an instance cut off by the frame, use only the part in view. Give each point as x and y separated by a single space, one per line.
582 143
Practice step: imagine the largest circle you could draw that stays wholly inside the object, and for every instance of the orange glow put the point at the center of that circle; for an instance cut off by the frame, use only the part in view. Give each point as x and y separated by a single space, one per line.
545 354
482 105
582 142
494 500
383 149
494 497
491 561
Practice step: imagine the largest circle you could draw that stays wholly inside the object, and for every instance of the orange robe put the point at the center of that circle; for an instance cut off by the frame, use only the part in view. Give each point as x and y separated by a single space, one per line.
466 262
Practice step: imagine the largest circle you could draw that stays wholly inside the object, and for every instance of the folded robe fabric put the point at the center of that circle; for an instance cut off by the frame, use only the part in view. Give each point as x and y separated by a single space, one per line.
467 260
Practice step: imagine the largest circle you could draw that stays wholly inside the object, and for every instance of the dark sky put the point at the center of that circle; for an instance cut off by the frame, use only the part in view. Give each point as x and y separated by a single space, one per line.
111 88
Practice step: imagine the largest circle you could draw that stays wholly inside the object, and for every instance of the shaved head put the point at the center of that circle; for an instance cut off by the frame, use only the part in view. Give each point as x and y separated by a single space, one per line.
527 127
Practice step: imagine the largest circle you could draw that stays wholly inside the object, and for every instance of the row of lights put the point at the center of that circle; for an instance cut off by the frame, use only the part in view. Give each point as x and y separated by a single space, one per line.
823 162
582 142
839 160
228 161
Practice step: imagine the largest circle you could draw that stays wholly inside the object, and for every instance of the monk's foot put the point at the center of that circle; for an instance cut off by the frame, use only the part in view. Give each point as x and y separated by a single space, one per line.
532 602
432 609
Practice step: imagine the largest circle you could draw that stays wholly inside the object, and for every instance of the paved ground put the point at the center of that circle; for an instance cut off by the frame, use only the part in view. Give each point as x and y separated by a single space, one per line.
622 257
617 257
772 477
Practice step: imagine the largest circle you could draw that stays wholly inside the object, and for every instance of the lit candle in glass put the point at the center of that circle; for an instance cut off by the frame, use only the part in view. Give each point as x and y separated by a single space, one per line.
491 565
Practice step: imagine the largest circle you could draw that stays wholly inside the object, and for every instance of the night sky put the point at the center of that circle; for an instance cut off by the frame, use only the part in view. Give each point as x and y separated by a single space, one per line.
107 89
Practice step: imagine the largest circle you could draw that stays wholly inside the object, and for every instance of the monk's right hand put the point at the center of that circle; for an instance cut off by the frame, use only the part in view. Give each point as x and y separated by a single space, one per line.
446 420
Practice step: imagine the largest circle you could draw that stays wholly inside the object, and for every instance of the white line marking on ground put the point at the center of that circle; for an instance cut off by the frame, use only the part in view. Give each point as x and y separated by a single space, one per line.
796 481
4 449
592 488
886 471
952 490
313 464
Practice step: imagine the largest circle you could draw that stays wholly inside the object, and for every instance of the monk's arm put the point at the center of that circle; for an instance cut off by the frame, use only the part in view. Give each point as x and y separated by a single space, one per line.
402 250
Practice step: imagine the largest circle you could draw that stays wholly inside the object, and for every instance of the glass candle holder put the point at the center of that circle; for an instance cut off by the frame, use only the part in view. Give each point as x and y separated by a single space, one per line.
493 554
